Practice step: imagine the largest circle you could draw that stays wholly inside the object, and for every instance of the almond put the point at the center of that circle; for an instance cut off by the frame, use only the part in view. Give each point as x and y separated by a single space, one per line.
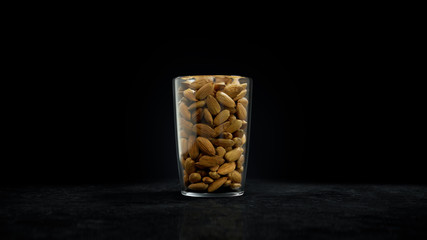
186 125
198 186
224 99
204 130
214 175
214 169
227 135
189 94
244 124
208 117
235 186
232 118
200 82
244 139
234 176
219 86
234 154
183 145
244 102
220 129
183 110
193 148
241 111
220 151
223 142
240 169
226 168
194 177
225 80
221 117
185 178
240 161
239 133
204 91
202 173
237 142
189 166
208 161
233 90
227 183
197 104
183 134
240 95
213 105
217 184
197 115
234 126
205 146
207 180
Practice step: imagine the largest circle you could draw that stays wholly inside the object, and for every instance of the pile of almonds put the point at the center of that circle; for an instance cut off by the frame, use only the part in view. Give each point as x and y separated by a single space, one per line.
212 112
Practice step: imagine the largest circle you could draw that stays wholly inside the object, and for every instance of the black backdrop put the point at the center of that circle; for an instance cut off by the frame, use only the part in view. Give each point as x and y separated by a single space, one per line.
98 108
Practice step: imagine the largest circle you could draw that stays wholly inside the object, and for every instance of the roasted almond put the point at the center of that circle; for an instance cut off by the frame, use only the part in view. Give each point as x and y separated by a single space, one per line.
244 139
200 82
197 115
234 154
243 101
189 94
186 125
234 126
221 117
214 175
217 184
227 183
208 117
198 186
233 90
240 169
204 91
237 142
240 161
232 118
183 145
189 166
193 148
225 100
240 95
207 180
223 142
239 133
197 104
241 111
220 151
234 176
210 161
204 130
205 145
244 124
227 135
226 168
183 110
235 186
185 178
214 169
220 129
202 173
219 86
213 105
194 177
225 80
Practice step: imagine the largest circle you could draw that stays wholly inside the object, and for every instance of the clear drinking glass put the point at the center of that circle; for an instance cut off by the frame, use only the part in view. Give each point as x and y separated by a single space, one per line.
212 122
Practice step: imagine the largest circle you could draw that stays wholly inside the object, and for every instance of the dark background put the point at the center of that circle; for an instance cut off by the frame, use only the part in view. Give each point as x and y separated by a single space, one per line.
328 105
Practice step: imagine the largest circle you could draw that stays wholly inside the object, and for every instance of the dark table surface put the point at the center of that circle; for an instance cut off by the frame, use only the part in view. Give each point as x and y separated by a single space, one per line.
268 210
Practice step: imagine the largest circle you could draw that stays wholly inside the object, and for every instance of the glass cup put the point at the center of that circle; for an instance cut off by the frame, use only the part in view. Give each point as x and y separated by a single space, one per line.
212 122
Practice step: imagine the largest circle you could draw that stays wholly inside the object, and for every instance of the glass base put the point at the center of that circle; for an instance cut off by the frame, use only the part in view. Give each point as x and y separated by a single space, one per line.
225 194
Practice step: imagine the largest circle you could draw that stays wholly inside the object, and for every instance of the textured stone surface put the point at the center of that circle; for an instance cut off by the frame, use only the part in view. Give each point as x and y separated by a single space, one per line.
268 210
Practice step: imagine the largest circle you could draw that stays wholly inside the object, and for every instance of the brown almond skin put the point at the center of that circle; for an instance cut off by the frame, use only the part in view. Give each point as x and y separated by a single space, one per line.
189 94
235 176
195 177
208 116
197 115
234 154
220 151
196 105
204 130
198 186
214 175
214 169
239 133
217 184
205 145
221 117
186 125
193 148
200 82
240 161
235 186
241 112
223 142
208 161
202 173
244 102
204 91
240 95
234 126
189 166
233 90
226 168
183 145
207 180
227 183
225 100
183 110
213 105
220 129
238 142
